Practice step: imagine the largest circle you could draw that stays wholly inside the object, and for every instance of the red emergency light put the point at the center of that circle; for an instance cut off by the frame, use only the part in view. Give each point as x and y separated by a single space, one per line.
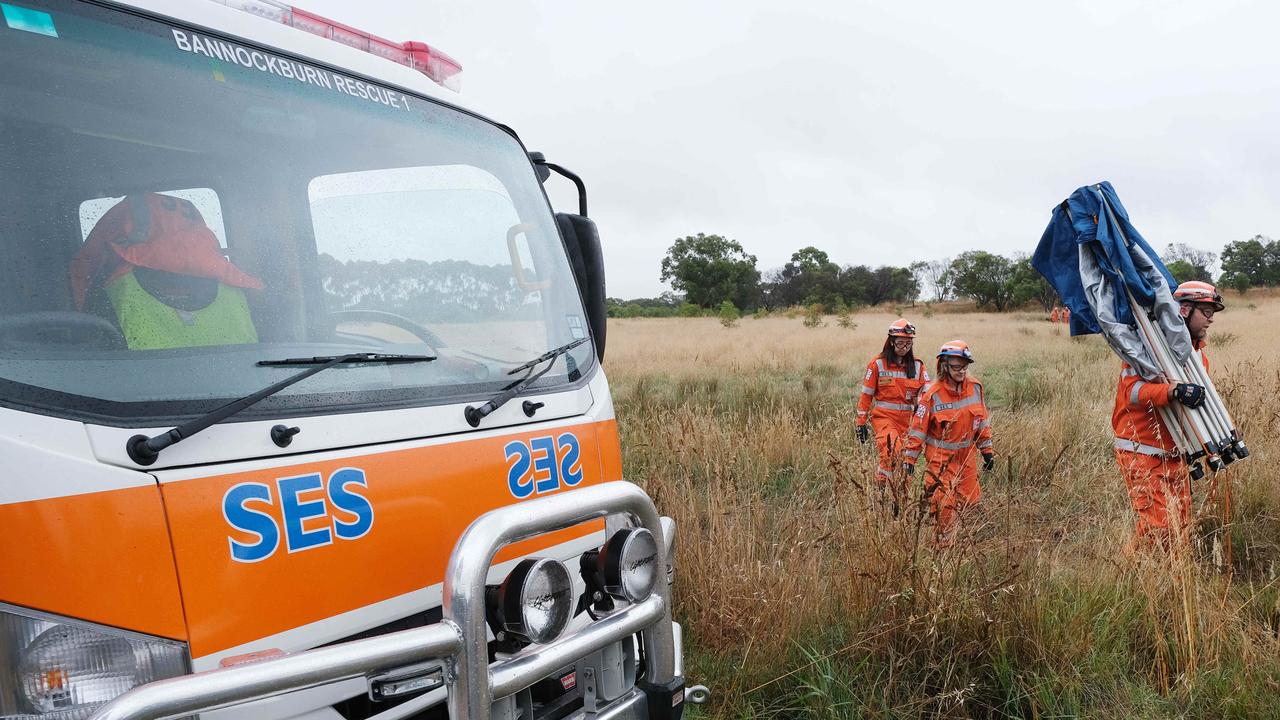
441 68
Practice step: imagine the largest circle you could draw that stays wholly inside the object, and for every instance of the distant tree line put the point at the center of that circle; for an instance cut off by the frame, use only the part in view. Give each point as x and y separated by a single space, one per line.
708 271
1251 263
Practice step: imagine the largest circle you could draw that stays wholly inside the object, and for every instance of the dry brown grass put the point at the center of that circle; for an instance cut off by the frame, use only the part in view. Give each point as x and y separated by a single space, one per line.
804 597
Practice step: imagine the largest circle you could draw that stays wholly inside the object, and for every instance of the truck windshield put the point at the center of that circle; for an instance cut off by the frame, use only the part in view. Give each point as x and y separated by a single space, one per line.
176 205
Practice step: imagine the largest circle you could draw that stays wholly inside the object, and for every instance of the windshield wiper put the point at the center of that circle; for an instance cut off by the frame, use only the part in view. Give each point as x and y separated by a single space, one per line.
475 414
144 450
351 358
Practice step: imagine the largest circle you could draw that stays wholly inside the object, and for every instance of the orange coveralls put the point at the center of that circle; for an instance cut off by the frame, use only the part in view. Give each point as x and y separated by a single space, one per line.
1149 460
953 427
894 397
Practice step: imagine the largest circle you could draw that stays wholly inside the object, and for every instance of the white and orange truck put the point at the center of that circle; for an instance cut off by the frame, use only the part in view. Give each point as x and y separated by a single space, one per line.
301 395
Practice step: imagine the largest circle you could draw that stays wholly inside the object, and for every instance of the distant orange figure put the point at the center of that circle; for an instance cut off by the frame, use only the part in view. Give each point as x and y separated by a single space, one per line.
953 427
1066 315
1053 315
893 382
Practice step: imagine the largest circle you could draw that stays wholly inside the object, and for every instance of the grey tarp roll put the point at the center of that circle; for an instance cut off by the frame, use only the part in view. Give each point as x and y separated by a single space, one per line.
1122 337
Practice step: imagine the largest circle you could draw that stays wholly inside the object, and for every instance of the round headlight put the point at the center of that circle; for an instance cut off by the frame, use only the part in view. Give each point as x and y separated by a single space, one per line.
536 600
629 564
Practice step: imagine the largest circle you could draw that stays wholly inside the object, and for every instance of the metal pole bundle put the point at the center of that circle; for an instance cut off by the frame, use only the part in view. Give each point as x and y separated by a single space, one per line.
1206 431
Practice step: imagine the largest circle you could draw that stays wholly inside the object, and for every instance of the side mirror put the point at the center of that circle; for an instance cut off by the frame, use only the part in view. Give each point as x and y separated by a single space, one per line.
582 240
540 166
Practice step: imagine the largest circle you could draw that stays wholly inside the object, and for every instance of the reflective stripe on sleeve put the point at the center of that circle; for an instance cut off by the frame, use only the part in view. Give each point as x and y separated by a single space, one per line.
1128 372
1133 394
868 391
916 433
984 445
911 454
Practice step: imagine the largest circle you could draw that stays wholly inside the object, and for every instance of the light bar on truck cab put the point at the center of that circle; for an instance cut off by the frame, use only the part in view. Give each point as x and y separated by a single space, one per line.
441 68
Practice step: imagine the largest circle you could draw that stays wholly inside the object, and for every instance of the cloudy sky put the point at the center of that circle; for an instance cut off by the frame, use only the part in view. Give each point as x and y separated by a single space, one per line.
882 133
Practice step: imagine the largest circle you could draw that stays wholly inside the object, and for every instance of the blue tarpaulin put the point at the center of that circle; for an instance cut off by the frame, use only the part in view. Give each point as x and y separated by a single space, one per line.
1057 257
1096 260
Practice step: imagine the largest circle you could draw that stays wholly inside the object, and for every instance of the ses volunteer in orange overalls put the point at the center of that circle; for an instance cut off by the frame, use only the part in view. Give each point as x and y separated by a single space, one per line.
953 427
893 381
1153 469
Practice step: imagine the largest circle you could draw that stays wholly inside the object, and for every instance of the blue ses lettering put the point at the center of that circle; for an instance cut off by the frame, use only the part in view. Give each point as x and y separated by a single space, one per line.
543 464
545 471
519 457
250 520
253 510
298 511
570 468
353 506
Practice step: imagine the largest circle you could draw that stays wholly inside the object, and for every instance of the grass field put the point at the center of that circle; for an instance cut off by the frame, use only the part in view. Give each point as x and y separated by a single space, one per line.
801 597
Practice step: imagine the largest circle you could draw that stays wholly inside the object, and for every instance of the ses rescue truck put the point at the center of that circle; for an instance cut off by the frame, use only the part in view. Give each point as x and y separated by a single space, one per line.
302 410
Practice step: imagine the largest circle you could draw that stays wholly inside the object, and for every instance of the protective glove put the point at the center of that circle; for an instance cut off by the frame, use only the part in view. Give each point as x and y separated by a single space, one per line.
863 434
1188 394
911 469
988 462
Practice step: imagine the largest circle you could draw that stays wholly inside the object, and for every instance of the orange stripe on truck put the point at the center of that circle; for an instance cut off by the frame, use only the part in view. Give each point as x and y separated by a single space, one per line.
264 551
610 449
102 557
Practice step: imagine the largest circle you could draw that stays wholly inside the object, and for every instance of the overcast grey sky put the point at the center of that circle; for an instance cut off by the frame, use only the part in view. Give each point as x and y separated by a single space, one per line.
881 133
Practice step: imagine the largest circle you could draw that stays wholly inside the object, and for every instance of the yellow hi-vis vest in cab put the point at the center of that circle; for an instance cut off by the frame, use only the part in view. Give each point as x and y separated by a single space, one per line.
149 324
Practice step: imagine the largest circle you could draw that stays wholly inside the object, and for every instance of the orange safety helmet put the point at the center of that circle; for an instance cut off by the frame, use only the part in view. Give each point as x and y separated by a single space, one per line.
902 328
956 348
1195 291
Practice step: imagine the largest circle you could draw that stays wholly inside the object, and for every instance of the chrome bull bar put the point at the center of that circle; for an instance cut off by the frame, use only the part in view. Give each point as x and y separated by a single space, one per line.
459 640
474 684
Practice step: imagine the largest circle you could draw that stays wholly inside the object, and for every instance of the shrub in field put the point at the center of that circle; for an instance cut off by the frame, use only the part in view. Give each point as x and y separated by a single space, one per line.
843 319
813 316
688 310
728 314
